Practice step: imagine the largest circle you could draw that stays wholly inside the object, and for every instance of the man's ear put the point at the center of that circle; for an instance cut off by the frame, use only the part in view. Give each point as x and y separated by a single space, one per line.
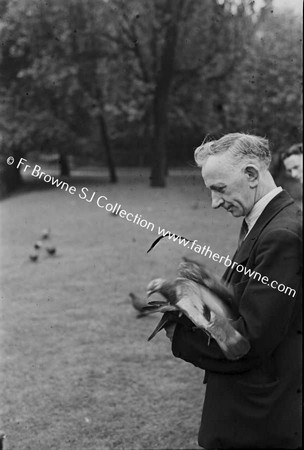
253 174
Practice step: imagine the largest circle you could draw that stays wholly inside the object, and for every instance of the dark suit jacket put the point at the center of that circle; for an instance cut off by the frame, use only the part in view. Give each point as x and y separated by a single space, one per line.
255 402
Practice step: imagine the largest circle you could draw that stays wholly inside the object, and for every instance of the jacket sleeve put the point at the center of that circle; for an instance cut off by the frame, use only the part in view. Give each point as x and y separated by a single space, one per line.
268 302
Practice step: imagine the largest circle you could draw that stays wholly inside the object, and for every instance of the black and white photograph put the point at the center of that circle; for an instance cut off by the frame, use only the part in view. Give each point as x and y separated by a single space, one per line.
151 176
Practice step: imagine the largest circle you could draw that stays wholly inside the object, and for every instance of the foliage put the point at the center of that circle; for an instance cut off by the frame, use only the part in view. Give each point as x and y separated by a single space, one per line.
265 92
79 75
41 77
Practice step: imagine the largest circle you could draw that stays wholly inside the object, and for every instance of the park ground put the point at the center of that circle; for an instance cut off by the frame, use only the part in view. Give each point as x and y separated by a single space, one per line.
77 371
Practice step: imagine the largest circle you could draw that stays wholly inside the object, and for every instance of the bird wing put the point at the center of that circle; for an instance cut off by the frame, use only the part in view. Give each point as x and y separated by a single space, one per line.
161 324
151 309
155 286
190 301
215 303
163 287
157 302
232 343
195 271
193 300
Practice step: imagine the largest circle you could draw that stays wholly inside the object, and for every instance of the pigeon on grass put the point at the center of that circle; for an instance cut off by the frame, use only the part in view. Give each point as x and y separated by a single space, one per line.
45 234
38 245
33 257
51 250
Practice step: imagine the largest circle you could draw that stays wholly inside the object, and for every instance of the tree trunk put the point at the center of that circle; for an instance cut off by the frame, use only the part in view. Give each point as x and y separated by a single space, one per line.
159 163
64 165
161 97
106 143
147 147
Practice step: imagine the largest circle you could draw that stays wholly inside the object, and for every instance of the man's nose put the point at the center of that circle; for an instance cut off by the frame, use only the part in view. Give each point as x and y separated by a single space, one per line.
216 200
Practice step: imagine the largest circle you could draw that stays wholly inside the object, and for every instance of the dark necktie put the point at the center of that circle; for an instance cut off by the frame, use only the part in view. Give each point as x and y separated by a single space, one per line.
243 232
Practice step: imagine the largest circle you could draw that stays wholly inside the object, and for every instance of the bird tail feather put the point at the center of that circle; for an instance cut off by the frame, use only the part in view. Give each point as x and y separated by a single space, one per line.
161 324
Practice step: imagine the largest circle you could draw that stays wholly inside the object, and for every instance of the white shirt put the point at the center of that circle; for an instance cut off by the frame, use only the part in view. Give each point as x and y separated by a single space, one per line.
259 207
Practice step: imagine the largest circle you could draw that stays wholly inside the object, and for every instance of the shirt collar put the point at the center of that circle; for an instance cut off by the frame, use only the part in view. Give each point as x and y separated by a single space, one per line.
259 207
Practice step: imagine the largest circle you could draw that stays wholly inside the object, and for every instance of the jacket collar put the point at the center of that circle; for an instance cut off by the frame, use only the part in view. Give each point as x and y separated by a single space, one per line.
276 205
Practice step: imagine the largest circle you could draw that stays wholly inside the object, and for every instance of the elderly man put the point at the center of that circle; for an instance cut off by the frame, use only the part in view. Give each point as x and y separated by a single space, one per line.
255 401
293 162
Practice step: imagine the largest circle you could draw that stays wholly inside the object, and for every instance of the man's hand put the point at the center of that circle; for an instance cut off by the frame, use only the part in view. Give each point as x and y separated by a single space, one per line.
170 328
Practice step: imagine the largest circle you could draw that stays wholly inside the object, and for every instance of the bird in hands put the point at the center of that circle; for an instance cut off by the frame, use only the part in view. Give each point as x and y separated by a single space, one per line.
165 305
201 297
209 313
195 271
167 289
172 292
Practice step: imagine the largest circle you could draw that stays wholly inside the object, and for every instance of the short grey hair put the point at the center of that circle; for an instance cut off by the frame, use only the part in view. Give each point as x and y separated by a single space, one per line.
240 145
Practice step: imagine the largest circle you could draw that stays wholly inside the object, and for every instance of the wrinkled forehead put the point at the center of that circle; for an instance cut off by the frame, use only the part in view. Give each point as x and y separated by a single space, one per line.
220 169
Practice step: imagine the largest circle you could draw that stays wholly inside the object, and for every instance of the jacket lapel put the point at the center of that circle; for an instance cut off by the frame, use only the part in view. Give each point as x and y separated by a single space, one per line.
276 205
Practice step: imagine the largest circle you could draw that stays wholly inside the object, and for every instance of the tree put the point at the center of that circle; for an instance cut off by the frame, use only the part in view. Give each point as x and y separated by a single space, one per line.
264 95
51 57
162 90
151 77
174 45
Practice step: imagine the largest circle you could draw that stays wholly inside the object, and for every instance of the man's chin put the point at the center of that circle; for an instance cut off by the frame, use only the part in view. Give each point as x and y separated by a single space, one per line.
234 212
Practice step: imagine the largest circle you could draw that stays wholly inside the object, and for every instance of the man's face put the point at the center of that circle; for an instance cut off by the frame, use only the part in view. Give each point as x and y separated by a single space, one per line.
294 166
229 185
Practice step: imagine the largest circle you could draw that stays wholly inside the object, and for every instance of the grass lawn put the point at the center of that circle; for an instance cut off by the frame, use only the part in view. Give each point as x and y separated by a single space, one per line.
77 371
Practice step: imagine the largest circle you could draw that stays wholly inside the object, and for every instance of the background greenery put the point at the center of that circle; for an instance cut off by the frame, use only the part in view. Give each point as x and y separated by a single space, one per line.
143 82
